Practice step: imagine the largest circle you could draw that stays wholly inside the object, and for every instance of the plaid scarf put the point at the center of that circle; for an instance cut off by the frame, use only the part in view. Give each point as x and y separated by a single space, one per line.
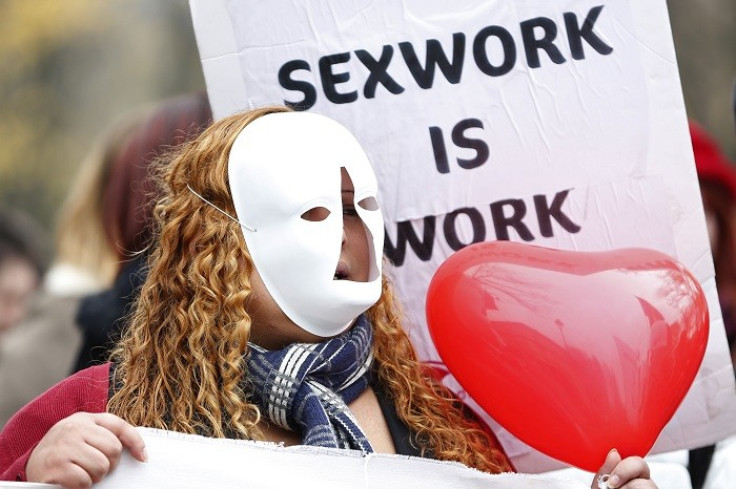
306 386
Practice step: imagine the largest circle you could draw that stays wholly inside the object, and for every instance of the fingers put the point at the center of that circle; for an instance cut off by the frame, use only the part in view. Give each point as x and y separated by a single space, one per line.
612 459
105 443
74 477
126 433
92 461
81 449
629 473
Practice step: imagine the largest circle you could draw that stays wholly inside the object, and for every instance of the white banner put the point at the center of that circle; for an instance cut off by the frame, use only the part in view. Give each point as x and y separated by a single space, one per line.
555 123
179 461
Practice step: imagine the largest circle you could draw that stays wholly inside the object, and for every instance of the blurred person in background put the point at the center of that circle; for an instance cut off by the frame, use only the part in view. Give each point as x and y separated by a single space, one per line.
714 466
22 264
40 351
126 212
717 179
101 231
721 469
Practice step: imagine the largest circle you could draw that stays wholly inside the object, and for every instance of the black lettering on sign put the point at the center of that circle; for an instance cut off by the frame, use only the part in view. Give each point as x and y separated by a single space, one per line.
405 234
461 139
480 50
504 215
545 214
378 68
502 222
330 79
476 220
286 81
439 149
532 44
424 75
575 34
539 34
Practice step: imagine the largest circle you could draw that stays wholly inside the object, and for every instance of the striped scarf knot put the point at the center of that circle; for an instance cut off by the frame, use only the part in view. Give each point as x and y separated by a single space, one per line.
306 387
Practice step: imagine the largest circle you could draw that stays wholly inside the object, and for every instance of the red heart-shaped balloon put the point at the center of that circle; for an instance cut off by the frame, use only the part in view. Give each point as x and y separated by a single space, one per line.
574 353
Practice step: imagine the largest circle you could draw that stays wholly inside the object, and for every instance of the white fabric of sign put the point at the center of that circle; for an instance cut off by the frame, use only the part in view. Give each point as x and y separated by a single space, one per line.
179 461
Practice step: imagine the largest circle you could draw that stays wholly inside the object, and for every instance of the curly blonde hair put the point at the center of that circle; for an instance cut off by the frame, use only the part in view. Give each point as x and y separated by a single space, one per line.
180 364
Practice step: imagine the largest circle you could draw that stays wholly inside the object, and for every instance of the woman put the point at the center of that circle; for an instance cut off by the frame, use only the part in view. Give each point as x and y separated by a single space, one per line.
268 233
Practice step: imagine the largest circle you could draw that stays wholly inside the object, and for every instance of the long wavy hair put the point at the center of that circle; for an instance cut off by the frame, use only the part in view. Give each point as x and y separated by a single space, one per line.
180 365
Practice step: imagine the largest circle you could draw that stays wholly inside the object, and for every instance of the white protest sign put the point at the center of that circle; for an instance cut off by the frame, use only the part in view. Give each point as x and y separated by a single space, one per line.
559 124
180 461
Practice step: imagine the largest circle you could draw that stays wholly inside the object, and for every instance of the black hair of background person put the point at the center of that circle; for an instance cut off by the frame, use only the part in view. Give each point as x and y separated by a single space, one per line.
22 237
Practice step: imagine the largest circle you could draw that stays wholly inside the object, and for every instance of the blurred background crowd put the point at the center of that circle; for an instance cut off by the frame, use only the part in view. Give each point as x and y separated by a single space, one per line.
93 90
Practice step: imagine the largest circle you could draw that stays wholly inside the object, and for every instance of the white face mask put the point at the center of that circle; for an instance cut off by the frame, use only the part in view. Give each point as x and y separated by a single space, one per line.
281 166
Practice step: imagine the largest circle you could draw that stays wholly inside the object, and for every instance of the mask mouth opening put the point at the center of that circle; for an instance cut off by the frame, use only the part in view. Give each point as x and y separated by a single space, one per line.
373 272
370 204
342 273
361 208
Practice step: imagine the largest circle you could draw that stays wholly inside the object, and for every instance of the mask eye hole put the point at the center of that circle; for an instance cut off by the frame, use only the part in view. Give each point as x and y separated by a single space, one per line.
369 204
316 214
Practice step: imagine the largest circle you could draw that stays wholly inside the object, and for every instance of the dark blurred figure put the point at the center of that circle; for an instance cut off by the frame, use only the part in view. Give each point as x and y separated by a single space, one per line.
22 265
127 206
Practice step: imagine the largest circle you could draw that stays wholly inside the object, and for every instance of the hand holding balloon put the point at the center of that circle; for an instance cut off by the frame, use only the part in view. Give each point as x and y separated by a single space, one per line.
629 473
574 353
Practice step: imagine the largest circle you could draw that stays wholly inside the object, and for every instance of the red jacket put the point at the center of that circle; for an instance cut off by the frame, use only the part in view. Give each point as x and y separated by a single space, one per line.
85 391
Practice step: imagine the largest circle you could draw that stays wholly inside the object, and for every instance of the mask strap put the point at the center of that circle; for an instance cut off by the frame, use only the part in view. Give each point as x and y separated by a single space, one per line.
220 210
